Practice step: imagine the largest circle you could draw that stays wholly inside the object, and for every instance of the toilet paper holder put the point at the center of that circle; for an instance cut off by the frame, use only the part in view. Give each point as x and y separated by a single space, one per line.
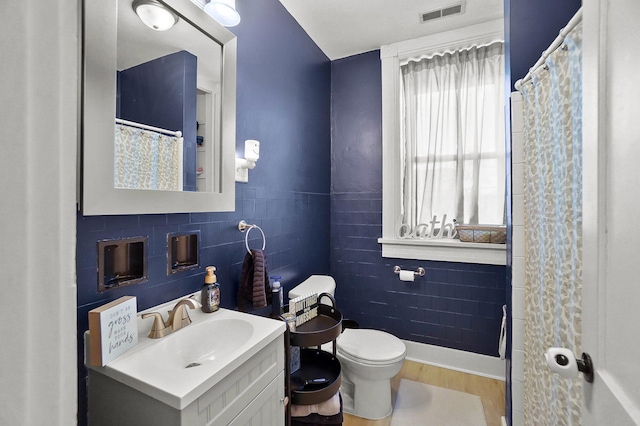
418 272
563 362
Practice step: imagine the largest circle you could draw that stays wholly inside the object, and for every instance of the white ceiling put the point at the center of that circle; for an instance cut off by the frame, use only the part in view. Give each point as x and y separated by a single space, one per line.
343 28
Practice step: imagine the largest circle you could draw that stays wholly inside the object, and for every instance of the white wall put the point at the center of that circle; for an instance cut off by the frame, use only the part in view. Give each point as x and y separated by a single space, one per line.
611 148
39 121
517 280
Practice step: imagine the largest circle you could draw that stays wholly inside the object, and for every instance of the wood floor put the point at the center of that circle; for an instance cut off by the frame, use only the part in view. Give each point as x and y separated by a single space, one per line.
491 391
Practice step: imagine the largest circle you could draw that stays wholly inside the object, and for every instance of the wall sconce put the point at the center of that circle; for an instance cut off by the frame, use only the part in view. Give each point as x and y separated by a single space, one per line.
223 11
251 155
154 14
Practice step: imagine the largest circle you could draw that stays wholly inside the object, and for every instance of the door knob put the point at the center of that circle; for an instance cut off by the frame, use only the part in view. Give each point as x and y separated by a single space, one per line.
563 362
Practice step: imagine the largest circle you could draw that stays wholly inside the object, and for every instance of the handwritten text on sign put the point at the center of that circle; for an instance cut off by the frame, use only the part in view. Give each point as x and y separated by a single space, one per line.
116 326
118 331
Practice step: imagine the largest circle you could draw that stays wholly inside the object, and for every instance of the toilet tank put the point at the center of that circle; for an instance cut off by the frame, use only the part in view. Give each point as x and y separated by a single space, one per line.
315 284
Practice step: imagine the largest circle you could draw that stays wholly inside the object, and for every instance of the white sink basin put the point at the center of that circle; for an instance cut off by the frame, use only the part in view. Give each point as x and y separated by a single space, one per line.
230 334
198 344
178 368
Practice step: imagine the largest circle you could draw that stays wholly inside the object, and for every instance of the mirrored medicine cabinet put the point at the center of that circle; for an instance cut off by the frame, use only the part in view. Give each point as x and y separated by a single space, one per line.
161 90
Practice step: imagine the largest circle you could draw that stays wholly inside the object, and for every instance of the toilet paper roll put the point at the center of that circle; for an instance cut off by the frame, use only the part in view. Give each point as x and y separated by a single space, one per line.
407 275
562 361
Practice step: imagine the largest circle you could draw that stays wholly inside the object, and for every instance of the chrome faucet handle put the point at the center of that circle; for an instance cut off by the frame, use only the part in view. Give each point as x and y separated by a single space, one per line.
179 317
158 329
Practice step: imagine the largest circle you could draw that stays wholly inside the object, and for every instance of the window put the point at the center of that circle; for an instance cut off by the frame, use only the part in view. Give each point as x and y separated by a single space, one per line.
443 143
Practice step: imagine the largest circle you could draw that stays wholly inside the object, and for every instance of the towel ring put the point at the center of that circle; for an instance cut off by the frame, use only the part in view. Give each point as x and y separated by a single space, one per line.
244 226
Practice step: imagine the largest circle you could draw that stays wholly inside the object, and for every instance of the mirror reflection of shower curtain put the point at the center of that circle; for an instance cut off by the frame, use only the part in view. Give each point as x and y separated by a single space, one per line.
552 102
146 159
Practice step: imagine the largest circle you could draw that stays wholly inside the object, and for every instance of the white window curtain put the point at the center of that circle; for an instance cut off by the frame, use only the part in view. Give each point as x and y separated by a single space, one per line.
452 137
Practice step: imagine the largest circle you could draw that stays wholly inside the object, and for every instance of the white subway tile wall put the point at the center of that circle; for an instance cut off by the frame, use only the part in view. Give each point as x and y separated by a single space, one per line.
517 280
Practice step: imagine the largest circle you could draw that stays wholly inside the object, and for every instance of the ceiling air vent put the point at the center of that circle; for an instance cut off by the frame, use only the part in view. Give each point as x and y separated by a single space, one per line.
453 9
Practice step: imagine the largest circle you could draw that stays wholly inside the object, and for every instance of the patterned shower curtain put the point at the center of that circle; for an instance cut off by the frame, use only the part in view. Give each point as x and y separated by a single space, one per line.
553 231
146 160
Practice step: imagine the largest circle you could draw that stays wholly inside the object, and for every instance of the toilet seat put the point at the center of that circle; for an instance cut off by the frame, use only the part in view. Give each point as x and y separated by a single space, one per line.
371 347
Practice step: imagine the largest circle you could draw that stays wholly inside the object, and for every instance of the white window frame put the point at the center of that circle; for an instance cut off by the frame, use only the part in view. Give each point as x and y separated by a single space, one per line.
391 56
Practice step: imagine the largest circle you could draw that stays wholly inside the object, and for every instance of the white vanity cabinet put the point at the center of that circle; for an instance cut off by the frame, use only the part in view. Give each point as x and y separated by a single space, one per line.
250 395
225 368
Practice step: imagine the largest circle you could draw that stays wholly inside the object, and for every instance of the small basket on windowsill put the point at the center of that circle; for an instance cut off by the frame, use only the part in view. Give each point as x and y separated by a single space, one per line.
494 234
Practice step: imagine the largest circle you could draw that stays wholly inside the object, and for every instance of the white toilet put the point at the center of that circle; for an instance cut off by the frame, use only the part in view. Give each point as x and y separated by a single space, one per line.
368 359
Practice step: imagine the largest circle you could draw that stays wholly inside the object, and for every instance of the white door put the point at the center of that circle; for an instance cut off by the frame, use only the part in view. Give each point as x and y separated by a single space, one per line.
611 210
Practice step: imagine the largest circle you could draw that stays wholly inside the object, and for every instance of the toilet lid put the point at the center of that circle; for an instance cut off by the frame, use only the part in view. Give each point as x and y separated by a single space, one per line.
371 346
314 284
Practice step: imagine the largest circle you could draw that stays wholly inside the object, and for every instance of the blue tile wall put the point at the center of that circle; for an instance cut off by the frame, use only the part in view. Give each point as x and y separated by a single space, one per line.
221 244
283 100
454 305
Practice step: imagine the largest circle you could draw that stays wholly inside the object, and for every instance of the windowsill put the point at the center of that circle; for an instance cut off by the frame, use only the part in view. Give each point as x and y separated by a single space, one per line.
434 249
446 250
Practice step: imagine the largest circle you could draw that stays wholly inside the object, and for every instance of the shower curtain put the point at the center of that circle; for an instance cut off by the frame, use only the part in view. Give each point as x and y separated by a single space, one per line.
553 231
147 160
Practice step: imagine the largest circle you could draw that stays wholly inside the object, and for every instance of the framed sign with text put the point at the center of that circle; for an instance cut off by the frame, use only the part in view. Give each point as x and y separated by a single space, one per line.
113 329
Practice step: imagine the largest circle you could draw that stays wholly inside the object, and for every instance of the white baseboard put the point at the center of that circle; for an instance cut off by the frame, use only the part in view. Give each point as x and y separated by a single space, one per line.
453 359
503 420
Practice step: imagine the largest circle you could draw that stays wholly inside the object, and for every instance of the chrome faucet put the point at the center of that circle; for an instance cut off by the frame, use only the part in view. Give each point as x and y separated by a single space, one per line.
178 318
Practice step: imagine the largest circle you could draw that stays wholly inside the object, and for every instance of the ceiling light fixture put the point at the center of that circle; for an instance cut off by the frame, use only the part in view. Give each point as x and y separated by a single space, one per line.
223 11
154 14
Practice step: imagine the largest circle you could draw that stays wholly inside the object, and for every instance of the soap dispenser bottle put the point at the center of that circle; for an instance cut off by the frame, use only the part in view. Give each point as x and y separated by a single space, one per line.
210 293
